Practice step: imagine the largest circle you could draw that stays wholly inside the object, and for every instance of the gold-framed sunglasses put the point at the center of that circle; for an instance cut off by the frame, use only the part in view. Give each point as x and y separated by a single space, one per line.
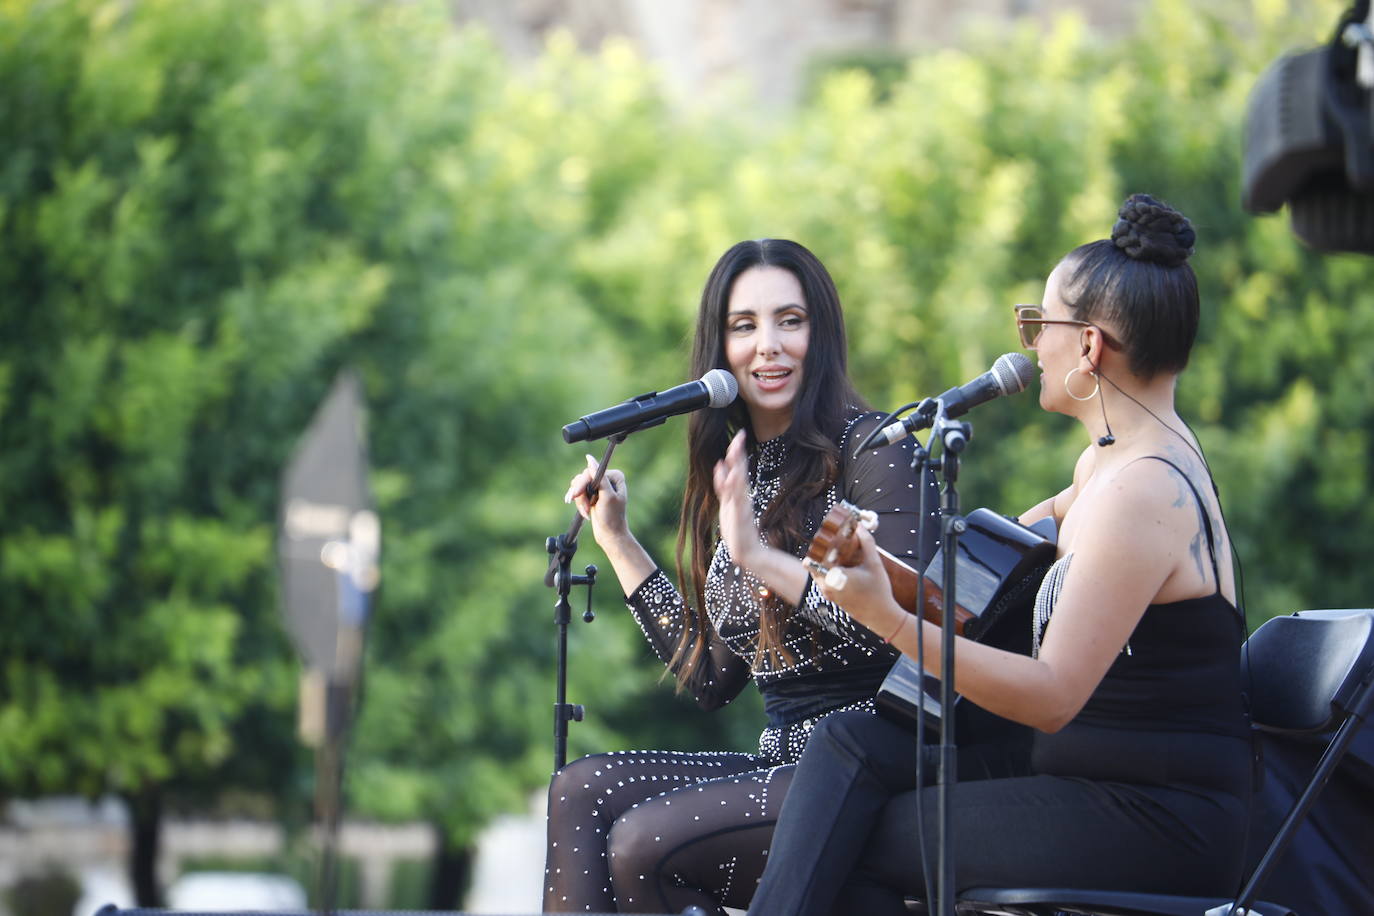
1031 320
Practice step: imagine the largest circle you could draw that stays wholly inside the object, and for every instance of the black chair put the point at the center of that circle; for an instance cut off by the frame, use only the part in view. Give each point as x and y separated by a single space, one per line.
110 909
1312 672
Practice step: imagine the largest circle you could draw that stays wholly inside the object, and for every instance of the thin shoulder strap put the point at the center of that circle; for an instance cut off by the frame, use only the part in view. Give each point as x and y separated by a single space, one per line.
1202 508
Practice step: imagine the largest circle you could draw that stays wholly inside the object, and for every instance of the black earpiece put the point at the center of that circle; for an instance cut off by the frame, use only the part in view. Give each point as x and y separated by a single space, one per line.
1108 439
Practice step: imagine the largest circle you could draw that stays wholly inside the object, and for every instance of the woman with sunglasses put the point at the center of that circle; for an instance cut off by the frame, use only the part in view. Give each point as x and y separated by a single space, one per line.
1139 772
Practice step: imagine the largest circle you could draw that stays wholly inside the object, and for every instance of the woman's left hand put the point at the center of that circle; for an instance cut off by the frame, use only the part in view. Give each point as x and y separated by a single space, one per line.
731 480
866 594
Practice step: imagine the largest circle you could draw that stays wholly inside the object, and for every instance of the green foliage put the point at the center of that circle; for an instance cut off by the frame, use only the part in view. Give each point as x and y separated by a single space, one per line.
51 892
207 209
407 883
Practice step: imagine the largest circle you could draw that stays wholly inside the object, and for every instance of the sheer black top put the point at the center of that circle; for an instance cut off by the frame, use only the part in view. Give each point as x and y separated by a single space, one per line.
835 660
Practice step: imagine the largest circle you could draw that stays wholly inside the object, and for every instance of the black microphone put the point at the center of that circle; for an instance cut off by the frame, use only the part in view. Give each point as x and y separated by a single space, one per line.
1010 373
716 388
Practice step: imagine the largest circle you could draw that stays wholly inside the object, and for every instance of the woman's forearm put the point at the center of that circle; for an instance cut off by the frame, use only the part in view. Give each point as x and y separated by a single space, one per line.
630 561
781 572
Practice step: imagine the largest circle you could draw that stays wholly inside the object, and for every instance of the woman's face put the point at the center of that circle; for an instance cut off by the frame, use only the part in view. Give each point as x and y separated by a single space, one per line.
1058 348
767 331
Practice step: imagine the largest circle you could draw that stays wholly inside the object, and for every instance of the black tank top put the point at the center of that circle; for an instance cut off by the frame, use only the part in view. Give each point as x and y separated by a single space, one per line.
1179 673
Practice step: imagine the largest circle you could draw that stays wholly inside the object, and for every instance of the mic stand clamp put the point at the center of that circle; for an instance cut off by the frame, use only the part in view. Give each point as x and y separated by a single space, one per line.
954 437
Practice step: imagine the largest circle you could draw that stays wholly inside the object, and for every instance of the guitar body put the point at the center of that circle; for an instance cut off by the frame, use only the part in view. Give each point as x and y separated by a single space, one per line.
999 566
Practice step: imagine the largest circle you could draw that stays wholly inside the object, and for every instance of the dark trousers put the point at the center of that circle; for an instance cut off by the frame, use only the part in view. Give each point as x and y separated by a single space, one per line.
850 834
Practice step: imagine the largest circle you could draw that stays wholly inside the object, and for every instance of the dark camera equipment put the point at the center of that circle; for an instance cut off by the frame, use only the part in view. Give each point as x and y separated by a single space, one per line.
1309 139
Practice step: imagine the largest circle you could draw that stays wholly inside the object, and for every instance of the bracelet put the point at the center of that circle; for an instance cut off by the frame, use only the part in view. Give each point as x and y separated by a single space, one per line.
905 618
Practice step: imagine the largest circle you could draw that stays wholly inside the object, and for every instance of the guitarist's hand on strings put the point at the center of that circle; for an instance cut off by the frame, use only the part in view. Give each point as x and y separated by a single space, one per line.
866 592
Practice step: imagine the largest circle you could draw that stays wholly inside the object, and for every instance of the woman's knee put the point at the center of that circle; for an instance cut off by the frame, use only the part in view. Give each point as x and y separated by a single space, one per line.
635 843
584 785
851 733
579 776
636 851
856 740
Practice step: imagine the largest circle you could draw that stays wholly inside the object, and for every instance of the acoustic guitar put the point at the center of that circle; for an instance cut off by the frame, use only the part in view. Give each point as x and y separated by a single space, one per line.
998 568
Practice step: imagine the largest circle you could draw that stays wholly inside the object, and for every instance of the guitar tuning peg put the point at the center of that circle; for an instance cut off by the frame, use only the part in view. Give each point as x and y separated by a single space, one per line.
835 578
869 519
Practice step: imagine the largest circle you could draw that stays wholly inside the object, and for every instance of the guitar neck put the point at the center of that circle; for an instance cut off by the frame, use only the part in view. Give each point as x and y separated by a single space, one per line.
906 588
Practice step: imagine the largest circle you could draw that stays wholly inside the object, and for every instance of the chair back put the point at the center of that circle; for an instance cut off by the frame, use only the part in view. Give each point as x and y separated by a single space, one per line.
1302 671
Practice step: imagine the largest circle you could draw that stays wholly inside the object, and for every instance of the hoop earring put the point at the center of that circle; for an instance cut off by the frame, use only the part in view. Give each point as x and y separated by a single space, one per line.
1097 385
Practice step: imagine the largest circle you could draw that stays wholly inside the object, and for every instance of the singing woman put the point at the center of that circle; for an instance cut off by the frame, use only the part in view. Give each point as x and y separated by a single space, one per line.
660 830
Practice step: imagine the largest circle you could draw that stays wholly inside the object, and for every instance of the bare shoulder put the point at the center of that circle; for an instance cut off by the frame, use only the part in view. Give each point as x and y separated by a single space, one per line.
1189 508
1145 512
1150 487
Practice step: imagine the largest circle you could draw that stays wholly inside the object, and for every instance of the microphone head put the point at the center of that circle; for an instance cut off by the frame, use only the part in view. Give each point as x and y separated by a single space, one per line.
1012 372
721 388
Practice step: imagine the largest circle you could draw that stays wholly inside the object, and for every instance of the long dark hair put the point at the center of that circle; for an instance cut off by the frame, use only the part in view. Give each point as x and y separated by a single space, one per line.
1141 282
824 403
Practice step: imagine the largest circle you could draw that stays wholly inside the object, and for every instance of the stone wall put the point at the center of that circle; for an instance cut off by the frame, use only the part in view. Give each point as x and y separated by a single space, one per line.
704 46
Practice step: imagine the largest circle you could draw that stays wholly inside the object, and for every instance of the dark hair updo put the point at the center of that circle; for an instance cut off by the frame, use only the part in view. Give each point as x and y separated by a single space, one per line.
1140 283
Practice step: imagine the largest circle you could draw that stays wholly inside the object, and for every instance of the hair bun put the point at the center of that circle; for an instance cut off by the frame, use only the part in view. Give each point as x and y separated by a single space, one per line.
1148 230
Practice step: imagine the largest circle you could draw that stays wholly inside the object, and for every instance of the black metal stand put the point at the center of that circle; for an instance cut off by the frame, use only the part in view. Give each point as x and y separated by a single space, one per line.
920 464
559 576
329 775
953 436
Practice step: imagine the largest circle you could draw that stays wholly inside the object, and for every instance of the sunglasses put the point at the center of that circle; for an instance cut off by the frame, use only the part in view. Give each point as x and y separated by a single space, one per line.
1031 320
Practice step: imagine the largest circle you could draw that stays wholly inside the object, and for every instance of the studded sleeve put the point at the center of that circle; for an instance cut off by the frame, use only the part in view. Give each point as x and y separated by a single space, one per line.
657 608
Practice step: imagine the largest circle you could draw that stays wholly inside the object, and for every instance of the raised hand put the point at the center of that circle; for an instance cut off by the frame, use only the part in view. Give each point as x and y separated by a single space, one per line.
731 481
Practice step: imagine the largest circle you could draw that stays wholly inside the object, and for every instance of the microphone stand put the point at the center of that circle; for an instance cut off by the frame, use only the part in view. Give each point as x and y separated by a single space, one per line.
339 696
954 437
559 576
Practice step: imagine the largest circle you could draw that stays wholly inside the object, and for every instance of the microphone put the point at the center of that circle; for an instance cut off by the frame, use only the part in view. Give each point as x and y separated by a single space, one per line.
1010 373
716 388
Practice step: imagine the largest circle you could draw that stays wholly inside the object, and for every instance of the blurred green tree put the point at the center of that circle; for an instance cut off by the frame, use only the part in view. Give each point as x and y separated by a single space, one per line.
207 209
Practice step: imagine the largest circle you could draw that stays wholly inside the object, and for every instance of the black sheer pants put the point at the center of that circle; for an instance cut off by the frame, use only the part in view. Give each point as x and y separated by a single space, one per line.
657 831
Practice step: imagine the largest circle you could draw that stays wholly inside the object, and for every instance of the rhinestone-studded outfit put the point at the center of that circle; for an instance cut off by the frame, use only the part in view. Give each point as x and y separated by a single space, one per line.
657 831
